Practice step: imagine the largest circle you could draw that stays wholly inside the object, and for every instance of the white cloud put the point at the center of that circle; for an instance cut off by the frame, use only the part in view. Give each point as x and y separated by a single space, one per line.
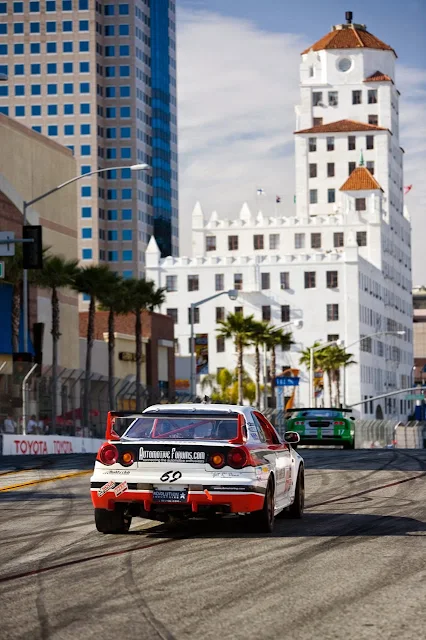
237 89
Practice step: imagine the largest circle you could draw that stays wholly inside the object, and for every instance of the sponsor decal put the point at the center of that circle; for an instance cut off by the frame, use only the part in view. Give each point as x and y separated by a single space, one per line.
34 447
225 474
121 488
62 446
172 455
106 487
111 472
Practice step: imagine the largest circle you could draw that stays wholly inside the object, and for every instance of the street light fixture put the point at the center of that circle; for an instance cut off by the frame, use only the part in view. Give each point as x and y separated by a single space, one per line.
26 205
233 295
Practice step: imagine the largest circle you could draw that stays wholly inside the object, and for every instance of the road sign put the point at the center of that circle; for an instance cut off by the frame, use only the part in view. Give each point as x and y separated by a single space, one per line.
415 396
1 269
5 248
284 381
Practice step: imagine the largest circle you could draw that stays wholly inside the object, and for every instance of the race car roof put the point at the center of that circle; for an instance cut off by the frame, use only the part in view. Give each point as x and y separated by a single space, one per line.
196 408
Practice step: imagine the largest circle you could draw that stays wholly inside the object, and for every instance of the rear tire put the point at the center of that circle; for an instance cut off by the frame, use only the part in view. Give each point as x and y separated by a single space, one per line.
263 521
295 510
112 521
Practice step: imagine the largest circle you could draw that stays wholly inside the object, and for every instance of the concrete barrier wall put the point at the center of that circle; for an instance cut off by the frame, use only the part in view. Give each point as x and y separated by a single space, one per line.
16 445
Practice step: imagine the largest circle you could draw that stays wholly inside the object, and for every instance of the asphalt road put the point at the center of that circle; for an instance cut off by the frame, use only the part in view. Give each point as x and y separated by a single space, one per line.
354 567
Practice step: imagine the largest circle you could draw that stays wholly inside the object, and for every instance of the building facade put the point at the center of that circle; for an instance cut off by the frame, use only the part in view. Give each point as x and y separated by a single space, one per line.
342 266
100 78
419 318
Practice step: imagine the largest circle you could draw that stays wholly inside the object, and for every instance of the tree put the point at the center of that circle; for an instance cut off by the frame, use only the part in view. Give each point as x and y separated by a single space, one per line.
142 296
114 301
329 359
277 338
305 359
57 273
223 386
260 335
93 281
239 328
339 358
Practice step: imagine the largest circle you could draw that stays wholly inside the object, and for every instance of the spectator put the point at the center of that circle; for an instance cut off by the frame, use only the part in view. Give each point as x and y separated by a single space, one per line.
32 425
9 425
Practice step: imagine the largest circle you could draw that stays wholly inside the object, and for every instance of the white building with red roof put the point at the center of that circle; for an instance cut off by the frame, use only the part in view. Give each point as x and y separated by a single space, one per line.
341 267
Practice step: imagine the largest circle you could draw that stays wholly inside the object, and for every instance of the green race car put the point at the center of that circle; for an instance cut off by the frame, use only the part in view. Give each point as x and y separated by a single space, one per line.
323 426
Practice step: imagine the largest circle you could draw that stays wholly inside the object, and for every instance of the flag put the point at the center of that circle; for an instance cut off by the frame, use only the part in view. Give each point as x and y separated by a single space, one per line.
260 192
407 189
277 199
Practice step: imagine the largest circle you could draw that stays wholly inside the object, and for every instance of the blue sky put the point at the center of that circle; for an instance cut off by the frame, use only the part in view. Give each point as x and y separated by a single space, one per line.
238 83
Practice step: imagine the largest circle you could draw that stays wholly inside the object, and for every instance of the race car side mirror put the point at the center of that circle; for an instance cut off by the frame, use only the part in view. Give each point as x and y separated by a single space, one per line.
292 437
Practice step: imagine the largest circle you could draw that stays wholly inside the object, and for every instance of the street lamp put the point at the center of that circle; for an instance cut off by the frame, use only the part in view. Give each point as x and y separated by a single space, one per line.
312 350
26 205
233 295
371 335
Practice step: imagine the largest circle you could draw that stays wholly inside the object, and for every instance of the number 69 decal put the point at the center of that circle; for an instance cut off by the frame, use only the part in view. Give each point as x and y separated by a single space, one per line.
171 476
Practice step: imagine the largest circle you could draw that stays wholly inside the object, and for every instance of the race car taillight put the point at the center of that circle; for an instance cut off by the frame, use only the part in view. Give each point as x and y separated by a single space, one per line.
217 460
300 422
237 458
339 422
127 459
108 454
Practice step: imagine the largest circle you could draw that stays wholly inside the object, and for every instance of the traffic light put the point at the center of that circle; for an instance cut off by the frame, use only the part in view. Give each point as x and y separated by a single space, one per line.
32 251
21 365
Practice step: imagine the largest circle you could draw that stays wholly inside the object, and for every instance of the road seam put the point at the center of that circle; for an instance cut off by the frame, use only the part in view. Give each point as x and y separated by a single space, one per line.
63 476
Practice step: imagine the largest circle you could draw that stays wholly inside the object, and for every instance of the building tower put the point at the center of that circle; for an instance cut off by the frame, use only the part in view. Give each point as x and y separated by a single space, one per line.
100 78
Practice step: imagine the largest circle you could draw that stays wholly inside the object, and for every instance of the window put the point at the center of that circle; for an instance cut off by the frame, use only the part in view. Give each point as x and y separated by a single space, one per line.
369 142
68 109
109 30
312 144
51 5
331 196
238 311
171 283
85 108
361 238
265 280
313 196
112 214
110 112
220 344
210 243
332 337
52 68
310 279
332 312
219 282
333 98
38 129
109 51
351 167
85 168
83 25
196 315
36 110
124 71
18 49
316 98
124 29
351 143
66 5
19 111
312 170
126 194
67 47
285 313
330 143
125 153
125 132
123 9
86 192
373 119
19 70
356 96
285 280
127 255
372 96
3 7
50 47
110 92
318 122
370 166
84 46
124 91
126 235
69 130
299 240
51 26
233 243
67 26
173 313
315 241
85 150
111 133
332 279
52 89
266 313
274 241
87 254
124 50
360 204
338 239
83 5
85 129
84 87
3 49
68 67
193 284
238 281
34 7
86 212
330 170
220 314
35 89
84 67
86 233
125 112
112 256
109 10
34 27
126 214
258 242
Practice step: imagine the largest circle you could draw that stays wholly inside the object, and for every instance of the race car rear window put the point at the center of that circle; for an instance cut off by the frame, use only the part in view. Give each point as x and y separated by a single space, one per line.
182 428
318 413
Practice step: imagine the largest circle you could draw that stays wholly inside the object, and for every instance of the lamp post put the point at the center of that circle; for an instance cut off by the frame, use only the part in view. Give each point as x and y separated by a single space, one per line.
233 295
26 205
312 350
371 335
297 324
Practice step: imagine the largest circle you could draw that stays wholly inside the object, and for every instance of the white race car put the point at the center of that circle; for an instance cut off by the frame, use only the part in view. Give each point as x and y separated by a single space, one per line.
195 460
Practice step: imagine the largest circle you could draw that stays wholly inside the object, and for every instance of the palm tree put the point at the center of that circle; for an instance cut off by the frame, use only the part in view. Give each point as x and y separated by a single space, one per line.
305 358
142 296
93 281
277 338
115 302
57 273
260 335
340 358
223 386
239 328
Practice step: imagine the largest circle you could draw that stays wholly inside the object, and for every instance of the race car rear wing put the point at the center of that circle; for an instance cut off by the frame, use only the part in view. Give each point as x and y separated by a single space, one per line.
319 409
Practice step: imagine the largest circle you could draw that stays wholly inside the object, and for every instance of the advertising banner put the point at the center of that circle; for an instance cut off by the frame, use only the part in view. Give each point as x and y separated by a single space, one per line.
201 354
19 445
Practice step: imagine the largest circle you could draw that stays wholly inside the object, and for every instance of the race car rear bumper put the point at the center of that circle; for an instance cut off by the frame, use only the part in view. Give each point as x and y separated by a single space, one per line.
235 499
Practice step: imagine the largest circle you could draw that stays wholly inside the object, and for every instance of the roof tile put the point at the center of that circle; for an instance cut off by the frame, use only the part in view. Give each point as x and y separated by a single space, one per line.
378 76
352 36
361 179
342 126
